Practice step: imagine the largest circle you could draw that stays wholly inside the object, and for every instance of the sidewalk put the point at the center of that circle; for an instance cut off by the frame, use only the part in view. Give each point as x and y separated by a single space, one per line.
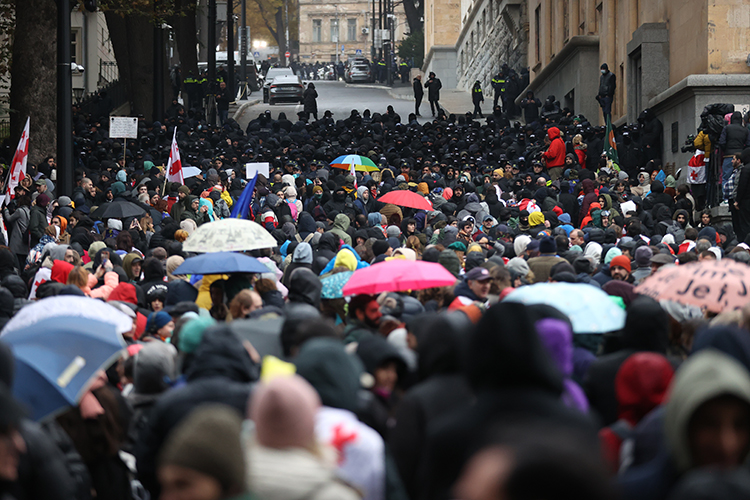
238 108
452 100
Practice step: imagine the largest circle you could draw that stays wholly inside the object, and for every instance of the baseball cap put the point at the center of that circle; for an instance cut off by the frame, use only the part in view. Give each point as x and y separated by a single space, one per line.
478 274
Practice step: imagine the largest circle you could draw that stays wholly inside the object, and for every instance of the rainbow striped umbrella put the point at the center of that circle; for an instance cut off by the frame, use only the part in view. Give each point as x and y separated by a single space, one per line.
361 163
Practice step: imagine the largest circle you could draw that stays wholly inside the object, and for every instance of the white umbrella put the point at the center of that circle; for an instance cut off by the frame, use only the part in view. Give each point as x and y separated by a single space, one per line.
229 235
68 305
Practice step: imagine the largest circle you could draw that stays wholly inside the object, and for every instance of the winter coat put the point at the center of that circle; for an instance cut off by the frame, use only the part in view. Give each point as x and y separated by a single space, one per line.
607 84
418 90
310 97
433 86
442 388
221 372
294 474
531 109
111 280
646 329
513 380
37 223
555 154
734 137
542 265
17 225
340 225
589 197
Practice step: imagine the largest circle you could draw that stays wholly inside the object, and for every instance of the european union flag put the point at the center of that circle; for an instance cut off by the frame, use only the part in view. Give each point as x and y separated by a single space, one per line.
242 207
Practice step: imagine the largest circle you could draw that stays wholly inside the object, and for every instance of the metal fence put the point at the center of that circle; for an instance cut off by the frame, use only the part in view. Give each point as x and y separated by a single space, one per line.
104 100
4 129
108 73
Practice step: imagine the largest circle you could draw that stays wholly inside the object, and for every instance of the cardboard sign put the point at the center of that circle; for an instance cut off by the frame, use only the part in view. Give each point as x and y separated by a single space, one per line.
123 127
251 169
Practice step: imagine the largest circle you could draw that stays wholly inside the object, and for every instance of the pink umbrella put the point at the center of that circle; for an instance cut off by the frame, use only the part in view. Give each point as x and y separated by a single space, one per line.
398 275
716 285
404 198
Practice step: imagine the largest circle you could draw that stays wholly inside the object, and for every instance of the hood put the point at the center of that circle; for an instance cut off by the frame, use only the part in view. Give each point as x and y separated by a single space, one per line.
553 133
303 254
505 352
730 340
641 385
127 264
124 292
329 241
588 186
341 222
646 326
305 224
334 373
557 338
154 367
291 474
704 376
60 271
374 351
373 219
58 252
681 211
304 287
180 291
221 354
441 344
6 303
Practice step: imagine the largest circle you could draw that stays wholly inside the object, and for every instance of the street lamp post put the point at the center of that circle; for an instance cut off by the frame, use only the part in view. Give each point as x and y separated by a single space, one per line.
230 47
211 59
243 46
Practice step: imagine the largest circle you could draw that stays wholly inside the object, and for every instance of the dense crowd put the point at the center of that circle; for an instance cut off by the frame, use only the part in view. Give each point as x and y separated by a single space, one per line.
449 392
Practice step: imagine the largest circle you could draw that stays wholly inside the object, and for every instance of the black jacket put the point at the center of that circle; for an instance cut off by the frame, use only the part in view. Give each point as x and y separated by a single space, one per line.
646 329
418 91
734 138
433 86
607 84
221 372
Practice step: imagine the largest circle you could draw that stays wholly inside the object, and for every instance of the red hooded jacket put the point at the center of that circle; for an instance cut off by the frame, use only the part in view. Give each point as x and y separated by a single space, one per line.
555 154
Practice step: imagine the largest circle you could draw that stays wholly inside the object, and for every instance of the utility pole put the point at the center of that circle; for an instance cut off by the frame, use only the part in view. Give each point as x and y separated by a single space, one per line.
336 42
286 28
387 46
372 22
243 46
230 47
64 102
211 52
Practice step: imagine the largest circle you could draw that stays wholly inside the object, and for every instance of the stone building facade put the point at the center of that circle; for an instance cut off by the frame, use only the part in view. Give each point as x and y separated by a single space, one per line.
673 56
489 33
349 21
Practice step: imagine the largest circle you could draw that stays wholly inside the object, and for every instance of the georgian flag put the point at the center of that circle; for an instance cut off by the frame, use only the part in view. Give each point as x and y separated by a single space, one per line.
174 166
18 166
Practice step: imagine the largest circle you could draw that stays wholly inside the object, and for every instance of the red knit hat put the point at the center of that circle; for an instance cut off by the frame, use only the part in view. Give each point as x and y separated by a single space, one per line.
620 261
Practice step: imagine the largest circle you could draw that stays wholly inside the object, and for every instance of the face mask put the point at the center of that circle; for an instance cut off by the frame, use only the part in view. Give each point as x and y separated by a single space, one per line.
318 196
604 71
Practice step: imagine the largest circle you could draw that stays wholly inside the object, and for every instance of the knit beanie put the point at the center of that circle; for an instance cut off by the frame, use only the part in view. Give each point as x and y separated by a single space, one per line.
393 231
183 189
191 334
379 247
173 263
611 254
208 441
643 256
620 261
547 245
42 200
284 412
157 320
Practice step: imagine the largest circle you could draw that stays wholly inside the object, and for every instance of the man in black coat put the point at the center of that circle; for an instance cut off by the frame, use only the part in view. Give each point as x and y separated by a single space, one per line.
418 93
433 86
606 94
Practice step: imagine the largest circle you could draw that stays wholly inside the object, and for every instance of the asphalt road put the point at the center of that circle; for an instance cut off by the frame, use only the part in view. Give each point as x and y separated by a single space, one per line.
340 98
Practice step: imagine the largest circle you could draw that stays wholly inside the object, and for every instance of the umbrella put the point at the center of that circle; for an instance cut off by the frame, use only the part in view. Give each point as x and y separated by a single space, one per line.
68 305
117 210
56 358
589 308
263 334
229 235
404 198
398 275
221 263
188 172
716 285
334 284
361 163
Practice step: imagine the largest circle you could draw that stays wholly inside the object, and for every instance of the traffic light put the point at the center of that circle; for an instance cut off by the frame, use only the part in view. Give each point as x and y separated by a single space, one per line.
89 5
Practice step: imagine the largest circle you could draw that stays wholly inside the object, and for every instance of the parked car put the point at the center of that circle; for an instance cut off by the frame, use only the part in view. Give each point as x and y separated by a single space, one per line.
286 88
358 70
272 74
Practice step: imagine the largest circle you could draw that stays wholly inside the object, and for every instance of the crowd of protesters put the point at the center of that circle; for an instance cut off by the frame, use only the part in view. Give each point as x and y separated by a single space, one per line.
447 392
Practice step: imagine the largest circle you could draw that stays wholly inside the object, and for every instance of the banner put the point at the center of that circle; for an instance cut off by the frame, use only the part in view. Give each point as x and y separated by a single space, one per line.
174 166
18 166
610 147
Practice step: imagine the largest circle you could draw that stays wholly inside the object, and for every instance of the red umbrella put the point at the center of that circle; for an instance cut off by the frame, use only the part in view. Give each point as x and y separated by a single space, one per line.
404 198
398 275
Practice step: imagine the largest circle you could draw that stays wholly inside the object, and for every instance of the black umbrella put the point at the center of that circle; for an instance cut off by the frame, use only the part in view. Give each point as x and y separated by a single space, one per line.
263 334
117 210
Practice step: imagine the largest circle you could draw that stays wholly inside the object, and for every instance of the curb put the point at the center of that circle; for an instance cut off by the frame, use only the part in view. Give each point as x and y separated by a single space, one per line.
243 107
367 86
400 96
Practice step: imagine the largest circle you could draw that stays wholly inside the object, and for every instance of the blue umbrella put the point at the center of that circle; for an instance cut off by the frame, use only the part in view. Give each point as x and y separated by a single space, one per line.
221 263
56 359
589 308
333 285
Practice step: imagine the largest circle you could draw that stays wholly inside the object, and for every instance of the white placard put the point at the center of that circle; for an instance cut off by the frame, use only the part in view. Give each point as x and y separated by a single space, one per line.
123 127
628 206
252 168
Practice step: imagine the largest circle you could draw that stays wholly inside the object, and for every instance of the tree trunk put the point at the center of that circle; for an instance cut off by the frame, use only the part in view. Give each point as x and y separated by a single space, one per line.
132 41
33 84
413 15
281 33
186 36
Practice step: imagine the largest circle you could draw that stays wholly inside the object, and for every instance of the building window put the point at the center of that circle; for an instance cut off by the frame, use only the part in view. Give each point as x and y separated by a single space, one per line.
317 31
335 30
675 136
75 46
566 20
537 29
351 30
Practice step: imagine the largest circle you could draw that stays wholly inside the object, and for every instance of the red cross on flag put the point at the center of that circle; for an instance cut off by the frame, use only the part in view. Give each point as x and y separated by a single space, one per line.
174 166
18 166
